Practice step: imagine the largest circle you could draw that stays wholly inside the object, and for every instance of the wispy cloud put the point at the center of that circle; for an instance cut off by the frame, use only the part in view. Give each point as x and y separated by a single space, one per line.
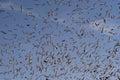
13 7
108 28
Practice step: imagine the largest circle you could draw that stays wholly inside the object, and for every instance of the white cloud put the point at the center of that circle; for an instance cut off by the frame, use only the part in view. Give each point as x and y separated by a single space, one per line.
108 28
6 5
12 6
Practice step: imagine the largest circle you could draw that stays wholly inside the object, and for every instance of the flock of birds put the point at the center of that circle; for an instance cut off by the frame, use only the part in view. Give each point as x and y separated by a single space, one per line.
59 40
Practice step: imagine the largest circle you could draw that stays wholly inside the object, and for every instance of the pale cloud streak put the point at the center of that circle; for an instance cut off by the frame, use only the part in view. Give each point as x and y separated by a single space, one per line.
13 7
108 28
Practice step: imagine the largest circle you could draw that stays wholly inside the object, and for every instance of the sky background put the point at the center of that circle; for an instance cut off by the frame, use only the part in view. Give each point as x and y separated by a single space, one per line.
59 39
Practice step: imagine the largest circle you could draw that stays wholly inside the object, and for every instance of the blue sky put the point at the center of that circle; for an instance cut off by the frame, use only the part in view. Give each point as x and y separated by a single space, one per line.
59 39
